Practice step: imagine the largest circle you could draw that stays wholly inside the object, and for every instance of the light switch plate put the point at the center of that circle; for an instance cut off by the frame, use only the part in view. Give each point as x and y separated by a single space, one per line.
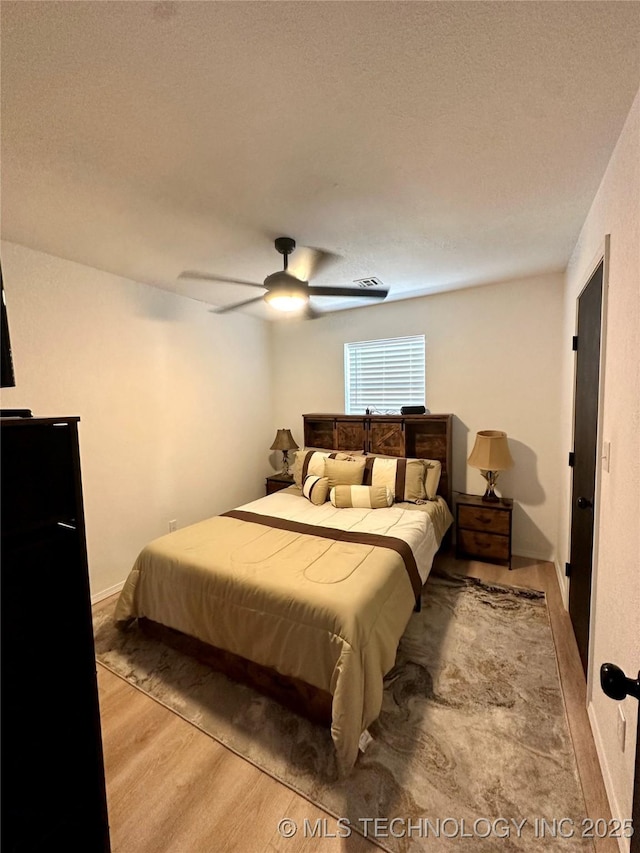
606 455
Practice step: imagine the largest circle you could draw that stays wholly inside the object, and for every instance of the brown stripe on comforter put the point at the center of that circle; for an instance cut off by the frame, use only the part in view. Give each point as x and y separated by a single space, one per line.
375 539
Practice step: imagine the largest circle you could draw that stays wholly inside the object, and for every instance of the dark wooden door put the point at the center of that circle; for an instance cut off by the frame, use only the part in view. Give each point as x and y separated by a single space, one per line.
386 436
351 433
585 453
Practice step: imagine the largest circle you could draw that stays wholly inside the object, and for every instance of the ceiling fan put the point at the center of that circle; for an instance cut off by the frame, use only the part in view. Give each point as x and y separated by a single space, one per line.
284 290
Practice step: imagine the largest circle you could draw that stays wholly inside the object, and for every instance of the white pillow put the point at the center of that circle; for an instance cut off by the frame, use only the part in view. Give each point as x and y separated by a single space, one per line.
315 489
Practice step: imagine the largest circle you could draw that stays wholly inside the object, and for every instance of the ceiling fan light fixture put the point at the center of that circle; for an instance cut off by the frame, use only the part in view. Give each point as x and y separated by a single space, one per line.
284 279
289 293
285 299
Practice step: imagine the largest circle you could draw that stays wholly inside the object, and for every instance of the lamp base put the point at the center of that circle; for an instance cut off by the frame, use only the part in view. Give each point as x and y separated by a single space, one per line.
490 495
285 464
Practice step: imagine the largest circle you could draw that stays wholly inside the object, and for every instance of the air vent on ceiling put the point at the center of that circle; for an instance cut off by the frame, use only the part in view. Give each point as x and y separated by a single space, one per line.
368 282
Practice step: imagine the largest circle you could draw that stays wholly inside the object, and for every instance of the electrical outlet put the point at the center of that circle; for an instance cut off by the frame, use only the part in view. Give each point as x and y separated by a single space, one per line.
622 728
172 525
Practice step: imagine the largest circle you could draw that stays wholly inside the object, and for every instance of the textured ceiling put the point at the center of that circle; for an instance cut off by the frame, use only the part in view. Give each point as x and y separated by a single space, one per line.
433 145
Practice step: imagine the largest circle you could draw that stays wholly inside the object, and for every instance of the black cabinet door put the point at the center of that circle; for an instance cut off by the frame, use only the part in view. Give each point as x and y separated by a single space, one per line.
53 792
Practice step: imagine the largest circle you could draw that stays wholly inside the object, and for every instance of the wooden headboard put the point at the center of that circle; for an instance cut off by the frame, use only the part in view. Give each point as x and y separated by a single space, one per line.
414 436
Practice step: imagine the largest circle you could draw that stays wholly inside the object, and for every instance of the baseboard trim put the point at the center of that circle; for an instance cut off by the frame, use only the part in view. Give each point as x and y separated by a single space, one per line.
624 844
562 584
106 593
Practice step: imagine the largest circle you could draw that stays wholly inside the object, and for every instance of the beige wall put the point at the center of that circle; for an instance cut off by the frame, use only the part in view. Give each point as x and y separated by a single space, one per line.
492 358
615 634
161 386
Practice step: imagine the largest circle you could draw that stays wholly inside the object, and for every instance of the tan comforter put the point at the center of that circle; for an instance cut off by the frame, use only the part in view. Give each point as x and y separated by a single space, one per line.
328 612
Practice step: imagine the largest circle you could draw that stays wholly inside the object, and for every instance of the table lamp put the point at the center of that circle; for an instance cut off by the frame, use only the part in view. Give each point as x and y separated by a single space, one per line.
491 455
284 441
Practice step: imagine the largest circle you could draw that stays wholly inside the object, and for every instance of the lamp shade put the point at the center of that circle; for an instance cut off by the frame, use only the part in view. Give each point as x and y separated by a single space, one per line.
491 451
284 441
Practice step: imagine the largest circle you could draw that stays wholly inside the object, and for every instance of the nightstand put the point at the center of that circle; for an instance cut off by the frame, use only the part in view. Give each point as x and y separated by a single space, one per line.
276 482
483 529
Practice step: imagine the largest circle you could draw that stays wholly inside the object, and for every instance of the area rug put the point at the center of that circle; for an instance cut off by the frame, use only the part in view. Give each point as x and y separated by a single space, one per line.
472 745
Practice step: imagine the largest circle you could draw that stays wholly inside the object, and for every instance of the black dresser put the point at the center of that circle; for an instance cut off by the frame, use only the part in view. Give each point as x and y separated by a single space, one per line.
52 772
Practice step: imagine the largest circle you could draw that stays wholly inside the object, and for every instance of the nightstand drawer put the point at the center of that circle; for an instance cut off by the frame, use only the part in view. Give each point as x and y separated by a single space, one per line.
276 483
479 518
483 544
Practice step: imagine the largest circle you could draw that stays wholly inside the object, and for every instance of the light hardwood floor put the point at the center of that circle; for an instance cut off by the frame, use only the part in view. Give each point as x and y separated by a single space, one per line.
172 789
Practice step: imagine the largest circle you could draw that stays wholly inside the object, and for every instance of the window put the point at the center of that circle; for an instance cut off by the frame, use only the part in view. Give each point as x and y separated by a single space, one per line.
385 375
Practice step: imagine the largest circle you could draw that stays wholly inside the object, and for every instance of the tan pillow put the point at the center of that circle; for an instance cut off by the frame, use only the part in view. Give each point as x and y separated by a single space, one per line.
347 472
365 497
315 489
403 477
432 477
311 461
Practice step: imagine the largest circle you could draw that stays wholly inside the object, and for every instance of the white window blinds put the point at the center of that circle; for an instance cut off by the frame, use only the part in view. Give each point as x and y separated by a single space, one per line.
384 375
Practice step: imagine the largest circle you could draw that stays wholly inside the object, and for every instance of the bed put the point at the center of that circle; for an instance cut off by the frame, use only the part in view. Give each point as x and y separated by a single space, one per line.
317 594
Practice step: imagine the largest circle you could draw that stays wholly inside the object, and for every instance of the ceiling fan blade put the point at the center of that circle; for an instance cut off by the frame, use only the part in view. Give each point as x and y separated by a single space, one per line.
306 262
224 308
311 313
351 292
205 276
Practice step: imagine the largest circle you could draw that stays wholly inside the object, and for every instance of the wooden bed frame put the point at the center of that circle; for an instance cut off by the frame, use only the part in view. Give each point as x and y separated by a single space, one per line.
414 436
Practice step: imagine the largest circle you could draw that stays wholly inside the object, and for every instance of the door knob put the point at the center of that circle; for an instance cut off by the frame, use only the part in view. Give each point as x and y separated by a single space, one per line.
616 684
584 503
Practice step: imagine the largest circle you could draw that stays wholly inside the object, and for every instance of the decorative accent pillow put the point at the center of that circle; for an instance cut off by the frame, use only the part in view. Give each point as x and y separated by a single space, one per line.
411 480
366 497
315 489
345 472
312 462
432 477
403 477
